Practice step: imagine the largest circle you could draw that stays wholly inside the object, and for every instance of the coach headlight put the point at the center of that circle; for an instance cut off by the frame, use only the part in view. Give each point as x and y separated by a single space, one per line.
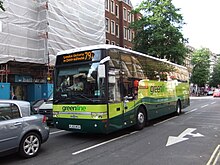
55 113
99 115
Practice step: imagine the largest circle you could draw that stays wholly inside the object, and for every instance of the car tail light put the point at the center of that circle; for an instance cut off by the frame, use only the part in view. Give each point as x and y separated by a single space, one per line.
44 120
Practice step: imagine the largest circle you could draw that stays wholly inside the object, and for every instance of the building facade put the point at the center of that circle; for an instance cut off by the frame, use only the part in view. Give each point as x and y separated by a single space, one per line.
118 17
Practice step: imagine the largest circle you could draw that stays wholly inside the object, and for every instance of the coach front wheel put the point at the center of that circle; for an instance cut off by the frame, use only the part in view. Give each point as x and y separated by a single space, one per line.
141 119
178 108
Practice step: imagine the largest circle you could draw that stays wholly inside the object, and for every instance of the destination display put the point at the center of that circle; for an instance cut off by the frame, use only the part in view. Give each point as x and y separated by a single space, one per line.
76 57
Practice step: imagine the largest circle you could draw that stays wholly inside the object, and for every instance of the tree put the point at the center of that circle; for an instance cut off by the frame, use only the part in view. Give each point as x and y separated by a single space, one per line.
215 76
201 69
158 32
1 6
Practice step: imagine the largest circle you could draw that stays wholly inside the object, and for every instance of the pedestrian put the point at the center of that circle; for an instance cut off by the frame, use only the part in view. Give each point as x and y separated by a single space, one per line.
13 97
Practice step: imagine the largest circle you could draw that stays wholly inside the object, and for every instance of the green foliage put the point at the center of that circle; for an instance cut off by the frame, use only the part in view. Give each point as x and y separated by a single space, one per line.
1 6
215 76
201 69
158 32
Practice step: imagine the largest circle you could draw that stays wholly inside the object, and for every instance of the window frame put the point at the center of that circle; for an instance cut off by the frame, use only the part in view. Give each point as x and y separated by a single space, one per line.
113 27
107 26
117 10
125 14
107 5
112 6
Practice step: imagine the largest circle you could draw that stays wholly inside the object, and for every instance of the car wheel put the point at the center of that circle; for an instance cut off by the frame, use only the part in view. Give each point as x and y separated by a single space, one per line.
141 119
178 108
30 145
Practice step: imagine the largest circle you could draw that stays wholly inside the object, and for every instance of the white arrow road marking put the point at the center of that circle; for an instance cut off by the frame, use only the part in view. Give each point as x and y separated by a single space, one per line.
173 139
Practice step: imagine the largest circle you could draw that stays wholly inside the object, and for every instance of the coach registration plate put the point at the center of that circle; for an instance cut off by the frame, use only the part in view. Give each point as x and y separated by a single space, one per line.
74 126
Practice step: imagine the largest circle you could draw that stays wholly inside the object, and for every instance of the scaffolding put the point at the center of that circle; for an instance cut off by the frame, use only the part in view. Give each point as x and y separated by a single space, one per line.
35 30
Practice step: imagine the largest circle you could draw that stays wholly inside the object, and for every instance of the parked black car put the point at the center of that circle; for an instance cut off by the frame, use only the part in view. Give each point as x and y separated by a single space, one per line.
36 104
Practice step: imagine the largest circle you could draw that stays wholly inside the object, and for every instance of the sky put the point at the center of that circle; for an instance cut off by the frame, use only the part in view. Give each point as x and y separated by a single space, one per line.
202 22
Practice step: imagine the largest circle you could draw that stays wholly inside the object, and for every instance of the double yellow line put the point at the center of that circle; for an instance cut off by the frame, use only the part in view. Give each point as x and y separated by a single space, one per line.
215 156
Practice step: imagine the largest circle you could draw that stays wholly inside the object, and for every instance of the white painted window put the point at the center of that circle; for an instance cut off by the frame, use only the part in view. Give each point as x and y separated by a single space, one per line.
125 14
125 33
132 35
113 27
132 17
112 7
117 11
107 5
129 35
129 16
107 25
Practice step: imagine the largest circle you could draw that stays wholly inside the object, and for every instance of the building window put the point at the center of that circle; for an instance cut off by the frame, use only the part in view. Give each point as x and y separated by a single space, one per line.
132 35
113 27
116 10
107 25
129 16
125 13
112 6
107 5
117 30
107 42
129 35
125 33
132 17
113 42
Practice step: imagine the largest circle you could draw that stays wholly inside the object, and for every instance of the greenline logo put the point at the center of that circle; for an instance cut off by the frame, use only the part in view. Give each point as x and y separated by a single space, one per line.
74 108
157 89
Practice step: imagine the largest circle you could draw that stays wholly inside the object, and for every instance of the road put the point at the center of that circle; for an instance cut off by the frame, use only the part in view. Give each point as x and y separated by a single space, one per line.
192 138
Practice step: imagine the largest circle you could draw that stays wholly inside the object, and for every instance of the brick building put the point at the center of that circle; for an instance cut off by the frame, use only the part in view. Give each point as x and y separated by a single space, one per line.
118 17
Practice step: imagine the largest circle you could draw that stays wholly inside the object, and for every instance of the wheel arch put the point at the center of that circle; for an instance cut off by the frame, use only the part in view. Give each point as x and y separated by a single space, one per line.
31 131
145 109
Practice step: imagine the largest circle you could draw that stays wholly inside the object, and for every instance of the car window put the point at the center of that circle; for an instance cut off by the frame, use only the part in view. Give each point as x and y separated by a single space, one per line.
9 111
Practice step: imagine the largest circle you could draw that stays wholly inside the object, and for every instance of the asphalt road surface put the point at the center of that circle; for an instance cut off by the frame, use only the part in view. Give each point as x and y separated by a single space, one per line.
192 138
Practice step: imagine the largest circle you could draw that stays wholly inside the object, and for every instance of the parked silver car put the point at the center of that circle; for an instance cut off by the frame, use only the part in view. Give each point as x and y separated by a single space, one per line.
19 130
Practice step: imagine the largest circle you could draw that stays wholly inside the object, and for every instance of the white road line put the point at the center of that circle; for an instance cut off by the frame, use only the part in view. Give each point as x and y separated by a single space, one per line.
213 102
204 105
56 132
191 111
165 121
216 159
214 156
100 144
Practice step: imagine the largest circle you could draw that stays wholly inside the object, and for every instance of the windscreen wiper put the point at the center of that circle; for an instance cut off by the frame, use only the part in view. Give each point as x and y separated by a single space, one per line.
83 96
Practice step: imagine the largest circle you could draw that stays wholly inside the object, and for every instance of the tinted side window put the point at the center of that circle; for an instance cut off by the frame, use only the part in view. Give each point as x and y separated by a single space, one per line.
8 111
114 77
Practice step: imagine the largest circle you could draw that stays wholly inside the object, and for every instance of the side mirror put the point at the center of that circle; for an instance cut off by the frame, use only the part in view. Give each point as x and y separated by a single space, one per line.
101 67
127 98
101 71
